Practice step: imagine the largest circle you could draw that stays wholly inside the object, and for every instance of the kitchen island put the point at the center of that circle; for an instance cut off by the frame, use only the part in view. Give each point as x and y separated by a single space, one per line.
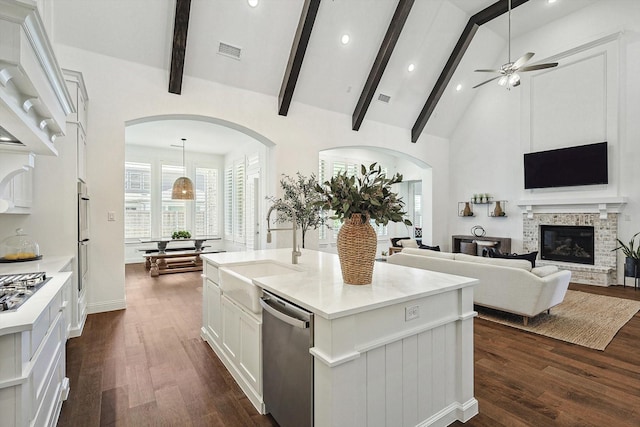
397 352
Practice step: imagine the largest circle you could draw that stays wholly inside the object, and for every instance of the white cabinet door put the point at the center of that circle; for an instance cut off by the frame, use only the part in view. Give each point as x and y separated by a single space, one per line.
23 189
230 329
250 356
82 155
213 314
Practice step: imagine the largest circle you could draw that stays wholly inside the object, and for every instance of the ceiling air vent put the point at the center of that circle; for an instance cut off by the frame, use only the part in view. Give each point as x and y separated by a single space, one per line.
228 50
384 98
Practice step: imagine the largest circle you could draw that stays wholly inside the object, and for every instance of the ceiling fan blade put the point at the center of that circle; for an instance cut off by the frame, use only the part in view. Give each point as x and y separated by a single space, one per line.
538 66
488 71
522 60
485 82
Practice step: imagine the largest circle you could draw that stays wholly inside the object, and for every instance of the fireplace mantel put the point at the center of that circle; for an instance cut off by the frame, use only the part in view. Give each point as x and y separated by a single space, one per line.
601 205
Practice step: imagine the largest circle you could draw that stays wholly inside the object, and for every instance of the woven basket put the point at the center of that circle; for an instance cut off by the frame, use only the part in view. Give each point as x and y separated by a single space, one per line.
357 242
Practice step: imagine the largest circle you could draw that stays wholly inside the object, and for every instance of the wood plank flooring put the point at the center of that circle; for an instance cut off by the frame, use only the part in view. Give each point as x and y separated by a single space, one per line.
148 366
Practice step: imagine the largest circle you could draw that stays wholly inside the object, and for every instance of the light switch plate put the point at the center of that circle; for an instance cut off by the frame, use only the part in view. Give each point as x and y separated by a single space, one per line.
111 216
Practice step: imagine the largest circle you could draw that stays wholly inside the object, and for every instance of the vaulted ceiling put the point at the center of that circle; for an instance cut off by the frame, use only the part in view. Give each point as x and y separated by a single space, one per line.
254 48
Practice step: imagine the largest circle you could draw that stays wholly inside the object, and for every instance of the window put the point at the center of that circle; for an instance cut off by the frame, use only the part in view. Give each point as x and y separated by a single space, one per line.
234 203
206 213
173 211
137 200
238 202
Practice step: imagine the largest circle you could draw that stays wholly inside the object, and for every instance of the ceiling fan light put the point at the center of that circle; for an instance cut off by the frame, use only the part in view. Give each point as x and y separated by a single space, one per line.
502 81
514 79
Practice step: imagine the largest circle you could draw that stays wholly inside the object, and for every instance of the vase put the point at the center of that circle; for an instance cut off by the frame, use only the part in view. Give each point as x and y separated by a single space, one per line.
497 211
357 242
467 210
631 267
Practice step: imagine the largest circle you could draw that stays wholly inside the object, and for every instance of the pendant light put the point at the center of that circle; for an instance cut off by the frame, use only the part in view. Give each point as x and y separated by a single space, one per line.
183 187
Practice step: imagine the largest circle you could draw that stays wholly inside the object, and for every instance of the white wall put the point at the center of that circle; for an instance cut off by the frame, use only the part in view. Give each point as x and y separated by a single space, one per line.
120 91
500 125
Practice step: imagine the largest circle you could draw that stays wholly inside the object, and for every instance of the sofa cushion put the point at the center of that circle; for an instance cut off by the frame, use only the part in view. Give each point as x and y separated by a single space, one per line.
531 257
544 270
408 243
500 262
428 253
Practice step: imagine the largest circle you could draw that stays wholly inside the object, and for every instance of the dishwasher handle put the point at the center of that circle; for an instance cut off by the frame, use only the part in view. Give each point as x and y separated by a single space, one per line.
298 323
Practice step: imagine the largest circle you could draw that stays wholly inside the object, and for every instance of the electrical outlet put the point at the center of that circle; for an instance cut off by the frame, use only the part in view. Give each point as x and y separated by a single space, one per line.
411 313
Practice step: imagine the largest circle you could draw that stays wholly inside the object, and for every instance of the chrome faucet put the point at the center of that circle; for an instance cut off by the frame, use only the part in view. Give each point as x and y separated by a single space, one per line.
295 253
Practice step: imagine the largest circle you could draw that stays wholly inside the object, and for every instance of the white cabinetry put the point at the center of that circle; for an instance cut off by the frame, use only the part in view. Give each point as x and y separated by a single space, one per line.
55 213
19 193
32 374
235 334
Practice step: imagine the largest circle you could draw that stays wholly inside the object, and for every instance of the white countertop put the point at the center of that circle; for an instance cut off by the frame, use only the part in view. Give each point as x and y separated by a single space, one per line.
320 289
48 264
25 316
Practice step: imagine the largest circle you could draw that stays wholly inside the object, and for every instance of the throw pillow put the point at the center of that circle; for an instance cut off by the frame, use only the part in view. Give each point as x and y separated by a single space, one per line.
531 257
431 248
418 232
408 243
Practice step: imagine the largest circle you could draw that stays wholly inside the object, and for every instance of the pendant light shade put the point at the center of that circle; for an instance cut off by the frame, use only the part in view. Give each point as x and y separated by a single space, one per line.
183 187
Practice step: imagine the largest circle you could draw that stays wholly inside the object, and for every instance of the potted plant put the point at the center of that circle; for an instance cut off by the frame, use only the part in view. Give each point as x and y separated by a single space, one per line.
181 234
632 254
356 201
300 195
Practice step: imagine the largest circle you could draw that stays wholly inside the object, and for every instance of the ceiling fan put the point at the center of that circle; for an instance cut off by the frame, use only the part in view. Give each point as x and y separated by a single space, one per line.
508 73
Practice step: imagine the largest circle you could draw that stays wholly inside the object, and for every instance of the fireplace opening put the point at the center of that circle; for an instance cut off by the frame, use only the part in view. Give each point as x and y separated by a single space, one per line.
567 243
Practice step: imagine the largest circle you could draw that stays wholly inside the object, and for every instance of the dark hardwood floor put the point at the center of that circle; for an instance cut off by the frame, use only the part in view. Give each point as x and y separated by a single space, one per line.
148 366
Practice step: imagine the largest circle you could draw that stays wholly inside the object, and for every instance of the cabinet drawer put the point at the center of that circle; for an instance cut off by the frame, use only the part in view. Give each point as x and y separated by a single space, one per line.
211 272
43 364
47 409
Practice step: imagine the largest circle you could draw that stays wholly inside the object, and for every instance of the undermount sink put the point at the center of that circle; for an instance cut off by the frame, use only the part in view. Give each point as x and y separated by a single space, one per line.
236 280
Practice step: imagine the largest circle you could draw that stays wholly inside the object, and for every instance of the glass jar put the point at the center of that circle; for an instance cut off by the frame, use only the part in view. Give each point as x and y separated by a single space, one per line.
19 248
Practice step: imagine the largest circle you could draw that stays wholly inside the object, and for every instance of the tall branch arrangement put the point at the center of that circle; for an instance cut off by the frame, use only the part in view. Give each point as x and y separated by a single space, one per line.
369 194
300 194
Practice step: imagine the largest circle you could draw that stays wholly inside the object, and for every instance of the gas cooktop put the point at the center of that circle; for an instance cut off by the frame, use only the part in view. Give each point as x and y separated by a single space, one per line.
15 289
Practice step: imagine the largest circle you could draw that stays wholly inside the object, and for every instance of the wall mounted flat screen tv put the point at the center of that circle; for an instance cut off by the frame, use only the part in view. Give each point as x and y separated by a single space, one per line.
567 167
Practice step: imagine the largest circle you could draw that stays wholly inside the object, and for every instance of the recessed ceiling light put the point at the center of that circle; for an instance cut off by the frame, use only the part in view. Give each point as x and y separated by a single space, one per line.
345 39
411 67
252 3
459 87
551 1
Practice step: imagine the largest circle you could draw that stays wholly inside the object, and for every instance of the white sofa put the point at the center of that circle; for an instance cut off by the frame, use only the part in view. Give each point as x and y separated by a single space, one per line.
509 285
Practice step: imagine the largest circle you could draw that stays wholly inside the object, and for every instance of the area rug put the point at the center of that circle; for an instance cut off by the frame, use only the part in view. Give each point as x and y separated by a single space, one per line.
584 319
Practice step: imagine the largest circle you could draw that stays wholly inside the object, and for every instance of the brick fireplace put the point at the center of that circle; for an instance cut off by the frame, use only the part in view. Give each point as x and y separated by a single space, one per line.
603 217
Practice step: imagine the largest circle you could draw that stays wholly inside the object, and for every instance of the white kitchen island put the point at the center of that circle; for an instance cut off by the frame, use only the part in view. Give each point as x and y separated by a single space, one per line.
398 352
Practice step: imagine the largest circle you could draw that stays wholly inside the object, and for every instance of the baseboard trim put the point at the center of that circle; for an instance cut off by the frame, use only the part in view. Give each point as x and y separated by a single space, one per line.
101 307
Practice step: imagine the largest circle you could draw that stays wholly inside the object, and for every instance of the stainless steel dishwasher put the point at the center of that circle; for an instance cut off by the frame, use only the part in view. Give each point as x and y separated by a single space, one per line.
287 365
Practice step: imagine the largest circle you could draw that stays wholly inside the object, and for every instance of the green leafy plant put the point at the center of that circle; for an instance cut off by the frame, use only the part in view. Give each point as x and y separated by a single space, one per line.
182 234
629 250
299 194
369 194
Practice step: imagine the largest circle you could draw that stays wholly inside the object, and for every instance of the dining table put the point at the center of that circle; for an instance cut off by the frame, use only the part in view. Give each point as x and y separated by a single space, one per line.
162 242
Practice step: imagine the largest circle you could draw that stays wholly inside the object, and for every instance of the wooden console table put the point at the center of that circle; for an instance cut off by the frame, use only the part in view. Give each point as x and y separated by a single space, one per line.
504 243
